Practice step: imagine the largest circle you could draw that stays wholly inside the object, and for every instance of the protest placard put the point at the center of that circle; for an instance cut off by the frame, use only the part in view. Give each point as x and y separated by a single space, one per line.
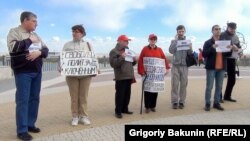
183 45
78 63
223 46
155 71
129 55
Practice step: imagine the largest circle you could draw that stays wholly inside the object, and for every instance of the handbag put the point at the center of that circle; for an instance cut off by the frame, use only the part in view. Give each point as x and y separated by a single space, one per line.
190 60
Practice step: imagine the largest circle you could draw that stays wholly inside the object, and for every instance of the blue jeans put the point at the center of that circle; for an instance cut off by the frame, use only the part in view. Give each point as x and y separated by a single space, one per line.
218 76
28 86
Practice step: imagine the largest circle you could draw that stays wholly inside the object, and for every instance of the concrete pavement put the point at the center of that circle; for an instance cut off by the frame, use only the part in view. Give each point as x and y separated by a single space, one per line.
54 115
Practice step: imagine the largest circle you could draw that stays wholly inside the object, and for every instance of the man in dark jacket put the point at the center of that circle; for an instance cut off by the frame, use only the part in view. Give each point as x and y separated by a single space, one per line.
124 75
26 50
230 34
215 68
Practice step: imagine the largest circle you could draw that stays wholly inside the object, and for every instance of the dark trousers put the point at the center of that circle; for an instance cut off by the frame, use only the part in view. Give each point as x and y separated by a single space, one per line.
230 77
122 95
150 99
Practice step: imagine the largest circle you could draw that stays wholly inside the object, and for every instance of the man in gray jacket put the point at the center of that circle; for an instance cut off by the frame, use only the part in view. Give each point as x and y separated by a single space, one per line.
124 75
230 34
179 71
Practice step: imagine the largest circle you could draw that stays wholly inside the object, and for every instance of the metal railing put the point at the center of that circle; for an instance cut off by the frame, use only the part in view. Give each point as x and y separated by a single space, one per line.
49 64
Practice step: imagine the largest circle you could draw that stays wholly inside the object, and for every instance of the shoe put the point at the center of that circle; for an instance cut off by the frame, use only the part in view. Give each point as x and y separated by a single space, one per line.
118 115
128 112
147 110
175 106
230 99
24 136
34 129
153 110
207 107
221 101
75 121
218 107
85 120
181 105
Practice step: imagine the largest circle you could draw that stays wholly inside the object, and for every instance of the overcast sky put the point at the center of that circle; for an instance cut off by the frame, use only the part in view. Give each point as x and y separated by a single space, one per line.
105 20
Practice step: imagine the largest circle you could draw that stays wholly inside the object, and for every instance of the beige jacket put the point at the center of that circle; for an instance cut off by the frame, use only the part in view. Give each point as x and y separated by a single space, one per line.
77 45
19 34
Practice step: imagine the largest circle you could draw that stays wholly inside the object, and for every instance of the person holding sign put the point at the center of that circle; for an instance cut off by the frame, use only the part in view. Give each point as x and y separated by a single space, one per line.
230 34
27 52
124 75
215 68
78 83
180 48
150 52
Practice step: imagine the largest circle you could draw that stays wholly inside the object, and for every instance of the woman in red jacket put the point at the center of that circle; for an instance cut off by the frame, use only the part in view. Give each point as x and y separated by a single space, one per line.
154 51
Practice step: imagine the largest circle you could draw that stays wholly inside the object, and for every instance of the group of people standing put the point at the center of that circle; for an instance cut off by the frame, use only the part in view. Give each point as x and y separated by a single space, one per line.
216 64
27 50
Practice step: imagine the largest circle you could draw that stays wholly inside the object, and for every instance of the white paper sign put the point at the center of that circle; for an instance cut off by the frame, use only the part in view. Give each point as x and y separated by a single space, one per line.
78 63
35 47
129 55
155 70
183 45
236 54
223 46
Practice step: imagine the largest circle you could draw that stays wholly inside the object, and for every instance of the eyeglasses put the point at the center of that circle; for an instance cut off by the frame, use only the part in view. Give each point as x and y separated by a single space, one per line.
153 39
217 28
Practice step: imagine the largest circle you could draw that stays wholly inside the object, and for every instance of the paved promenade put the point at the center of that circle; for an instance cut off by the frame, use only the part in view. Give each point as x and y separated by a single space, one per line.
55 116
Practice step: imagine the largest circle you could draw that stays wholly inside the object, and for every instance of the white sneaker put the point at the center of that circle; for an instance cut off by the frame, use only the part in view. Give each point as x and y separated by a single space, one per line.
75 121
85 120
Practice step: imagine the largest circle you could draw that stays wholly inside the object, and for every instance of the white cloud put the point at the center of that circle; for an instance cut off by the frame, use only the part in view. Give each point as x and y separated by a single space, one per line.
52 24
104 14
200 15
56 38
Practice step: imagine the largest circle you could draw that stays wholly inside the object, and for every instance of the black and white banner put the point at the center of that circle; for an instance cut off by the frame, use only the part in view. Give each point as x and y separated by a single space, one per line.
78 63
155 70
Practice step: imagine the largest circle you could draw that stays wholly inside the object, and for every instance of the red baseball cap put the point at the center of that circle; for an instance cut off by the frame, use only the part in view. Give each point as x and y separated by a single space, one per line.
151 36
123 38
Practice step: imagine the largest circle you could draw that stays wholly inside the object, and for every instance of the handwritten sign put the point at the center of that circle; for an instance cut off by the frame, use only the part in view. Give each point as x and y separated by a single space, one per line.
223 46
183 45
155 69
129 55
78 63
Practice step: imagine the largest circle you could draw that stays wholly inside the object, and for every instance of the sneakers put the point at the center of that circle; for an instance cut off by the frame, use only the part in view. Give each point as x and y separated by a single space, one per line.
85 120
75 121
